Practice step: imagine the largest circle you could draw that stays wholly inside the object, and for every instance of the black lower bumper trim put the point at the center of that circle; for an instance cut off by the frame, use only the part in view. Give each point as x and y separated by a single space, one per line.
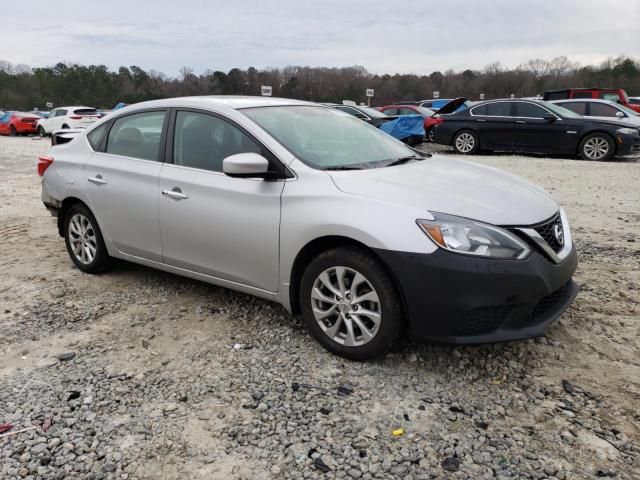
455 298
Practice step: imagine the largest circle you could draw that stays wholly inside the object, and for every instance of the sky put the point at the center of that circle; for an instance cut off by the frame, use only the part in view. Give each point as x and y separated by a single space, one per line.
384 36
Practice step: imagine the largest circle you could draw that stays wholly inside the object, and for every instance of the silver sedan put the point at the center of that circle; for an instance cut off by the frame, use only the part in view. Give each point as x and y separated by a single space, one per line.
309 207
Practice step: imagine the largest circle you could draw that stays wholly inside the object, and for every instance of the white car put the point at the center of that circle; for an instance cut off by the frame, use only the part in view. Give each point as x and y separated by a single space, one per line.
601 110
317 210
67 117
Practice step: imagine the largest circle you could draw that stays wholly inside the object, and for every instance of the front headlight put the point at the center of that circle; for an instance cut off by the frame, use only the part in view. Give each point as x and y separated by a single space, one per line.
469 237
627 131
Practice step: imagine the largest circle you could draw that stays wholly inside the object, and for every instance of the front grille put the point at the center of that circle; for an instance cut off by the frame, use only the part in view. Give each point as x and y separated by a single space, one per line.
547 231
549 303
482 320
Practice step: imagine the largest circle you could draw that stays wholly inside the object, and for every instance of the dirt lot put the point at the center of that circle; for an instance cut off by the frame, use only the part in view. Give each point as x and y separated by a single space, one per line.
157 390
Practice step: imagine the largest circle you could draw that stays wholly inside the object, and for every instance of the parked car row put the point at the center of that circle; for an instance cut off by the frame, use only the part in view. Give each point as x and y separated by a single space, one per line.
519 125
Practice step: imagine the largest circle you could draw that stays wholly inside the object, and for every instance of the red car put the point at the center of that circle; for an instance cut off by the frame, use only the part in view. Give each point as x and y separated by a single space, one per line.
18 123
429 120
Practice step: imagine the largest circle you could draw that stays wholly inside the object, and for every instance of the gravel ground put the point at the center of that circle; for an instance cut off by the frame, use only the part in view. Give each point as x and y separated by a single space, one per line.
172 378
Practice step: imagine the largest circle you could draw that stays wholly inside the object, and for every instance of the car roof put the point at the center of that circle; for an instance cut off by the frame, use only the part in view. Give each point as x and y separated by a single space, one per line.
236 102
584 89
588 100
72 107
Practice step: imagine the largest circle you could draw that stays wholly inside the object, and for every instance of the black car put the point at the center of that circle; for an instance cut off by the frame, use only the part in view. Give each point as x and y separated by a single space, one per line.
535 127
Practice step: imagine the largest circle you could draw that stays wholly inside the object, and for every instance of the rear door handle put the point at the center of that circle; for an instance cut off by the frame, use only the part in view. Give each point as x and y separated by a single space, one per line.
97 180
520 121
480 120
175 193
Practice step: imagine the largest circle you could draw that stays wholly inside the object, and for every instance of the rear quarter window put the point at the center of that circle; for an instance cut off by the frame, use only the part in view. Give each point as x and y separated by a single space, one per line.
96 136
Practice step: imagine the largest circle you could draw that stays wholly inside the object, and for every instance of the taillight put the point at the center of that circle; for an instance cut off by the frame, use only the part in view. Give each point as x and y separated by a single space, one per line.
43 164
76 117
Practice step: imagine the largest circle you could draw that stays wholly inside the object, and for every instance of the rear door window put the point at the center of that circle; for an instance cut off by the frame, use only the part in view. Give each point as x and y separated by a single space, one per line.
499 109
390 111
137 136
529 110
602 110
406 111
577 107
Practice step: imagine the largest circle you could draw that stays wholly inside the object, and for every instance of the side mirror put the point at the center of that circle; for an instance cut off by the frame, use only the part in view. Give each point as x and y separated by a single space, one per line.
619 114
549 117
245 165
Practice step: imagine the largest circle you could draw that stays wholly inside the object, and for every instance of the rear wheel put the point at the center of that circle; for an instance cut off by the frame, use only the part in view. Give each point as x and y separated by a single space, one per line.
597 147
466 142
84 241
12 131
350 304
41 131
65 126
431 134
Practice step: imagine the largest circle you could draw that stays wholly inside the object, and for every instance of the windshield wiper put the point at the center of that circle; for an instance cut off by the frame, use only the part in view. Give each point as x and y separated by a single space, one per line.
402 160
343 168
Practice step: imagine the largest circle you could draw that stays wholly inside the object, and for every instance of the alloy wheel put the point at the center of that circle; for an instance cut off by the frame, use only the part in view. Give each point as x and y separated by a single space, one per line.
465 142
346 306
596 148
82 238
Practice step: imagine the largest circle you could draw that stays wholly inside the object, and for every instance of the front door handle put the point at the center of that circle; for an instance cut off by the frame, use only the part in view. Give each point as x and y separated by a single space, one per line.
520 121
480 120
97 180
175 193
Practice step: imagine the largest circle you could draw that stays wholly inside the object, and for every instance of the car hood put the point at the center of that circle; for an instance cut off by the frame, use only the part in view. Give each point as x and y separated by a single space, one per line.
455 187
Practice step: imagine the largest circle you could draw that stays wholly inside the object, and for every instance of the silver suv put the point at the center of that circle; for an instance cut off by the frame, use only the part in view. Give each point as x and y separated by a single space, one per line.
312 208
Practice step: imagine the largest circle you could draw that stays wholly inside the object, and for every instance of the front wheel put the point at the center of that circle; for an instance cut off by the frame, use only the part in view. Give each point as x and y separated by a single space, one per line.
466 142
598 147
350 304
12 131
431 135
84 241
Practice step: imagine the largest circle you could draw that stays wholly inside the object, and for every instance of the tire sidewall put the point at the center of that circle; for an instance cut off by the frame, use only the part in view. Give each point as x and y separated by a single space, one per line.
609 154
476 144
42 132
101 260
391 306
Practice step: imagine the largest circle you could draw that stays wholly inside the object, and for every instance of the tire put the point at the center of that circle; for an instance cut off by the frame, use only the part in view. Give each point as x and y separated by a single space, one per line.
81 229
65 126
12 131
597 147
41 131
466 142
430 135
372 334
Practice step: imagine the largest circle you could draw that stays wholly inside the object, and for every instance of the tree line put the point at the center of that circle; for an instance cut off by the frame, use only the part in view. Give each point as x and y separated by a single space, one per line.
24 88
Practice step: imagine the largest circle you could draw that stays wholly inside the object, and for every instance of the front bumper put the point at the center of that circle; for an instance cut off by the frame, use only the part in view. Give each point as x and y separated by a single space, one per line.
454 298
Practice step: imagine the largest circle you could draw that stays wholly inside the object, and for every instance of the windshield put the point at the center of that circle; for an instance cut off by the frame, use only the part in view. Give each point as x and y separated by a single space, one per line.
325 138
373 113
563 112
627 110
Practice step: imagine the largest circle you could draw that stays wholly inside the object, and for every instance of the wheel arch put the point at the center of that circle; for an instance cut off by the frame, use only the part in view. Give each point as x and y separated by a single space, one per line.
322 244
465 128
594 132
66 204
